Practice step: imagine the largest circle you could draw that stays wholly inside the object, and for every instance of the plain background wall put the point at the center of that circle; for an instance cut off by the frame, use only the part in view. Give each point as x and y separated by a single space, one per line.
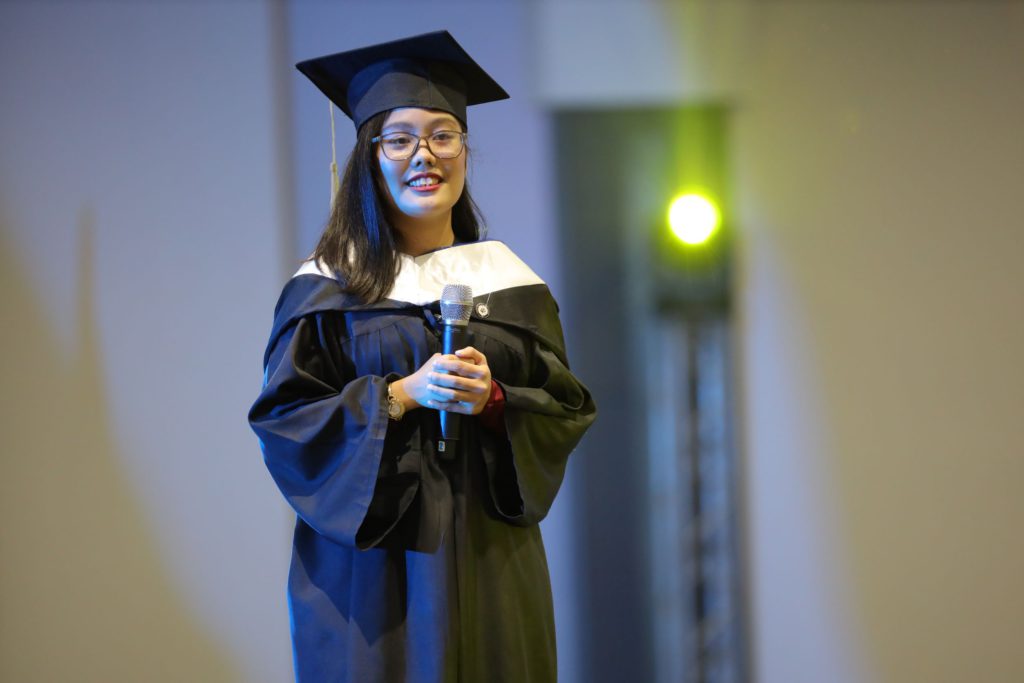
879 158
141 537
877 151
878 155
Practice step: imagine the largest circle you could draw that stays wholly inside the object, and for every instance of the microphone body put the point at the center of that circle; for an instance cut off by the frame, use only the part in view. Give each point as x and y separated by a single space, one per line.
456 307
453 338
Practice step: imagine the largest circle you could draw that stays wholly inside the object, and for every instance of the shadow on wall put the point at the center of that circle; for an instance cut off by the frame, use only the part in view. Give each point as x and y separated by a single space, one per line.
83 595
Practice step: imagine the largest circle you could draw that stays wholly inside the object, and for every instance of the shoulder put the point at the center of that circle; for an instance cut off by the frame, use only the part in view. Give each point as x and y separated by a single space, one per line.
311 290
501 266
486 266
506 291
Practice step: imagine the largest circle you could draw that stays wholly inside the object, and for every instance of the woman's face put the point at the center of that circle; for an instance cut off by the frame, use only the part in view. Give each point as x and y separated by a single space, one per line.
422 186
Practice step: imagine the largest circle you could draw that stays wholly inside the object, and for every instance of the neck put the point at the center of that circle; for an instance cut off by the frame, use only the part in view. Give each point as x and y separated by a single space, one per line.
417 236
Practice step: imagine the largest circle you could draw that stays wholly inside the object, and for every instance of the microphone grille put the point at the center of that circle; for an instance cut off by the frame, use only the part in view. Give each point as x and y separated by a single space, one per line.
456 303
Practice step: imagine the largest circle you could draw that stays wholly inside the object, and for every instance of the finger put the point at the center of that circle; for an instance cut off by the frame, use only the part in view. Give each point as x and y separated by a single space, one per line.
472 355
444 363
446 379
438 393
442 392
451 406
442 405
461 368
440 397
456 395
466 384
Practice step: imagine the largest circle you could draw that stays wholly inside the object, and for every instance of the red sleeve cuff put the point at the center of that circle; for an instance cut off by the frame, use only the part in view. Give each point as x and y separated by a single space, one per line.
493 414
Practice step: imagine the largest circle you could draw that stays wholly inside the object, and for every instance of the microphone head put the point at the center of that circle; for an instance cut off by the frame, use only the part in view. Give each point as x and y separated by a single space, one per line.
456 304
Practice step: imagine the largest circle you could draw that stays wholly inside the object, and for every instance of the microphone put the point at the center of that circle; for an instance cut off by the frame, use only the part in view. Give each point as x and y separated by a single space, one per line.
456 307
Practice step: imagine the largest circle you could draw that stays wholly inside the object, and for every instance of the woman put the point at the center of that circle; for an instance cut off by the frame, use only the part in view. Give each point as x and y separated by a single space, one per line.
414 560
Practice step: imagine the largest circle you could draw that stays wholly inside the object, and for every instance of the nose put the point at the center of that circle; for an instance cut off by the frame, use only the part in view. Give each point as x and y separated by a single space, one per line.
423 153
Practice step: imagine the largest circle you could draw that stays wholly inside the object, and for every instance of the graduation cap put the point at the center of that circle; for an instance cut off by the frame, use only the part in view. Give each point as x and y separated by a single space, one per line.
429 70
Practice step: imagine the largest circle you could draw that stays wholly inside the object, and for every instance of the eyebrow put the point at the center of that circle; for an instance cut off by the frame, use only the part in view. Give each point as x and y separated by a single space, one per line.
432 123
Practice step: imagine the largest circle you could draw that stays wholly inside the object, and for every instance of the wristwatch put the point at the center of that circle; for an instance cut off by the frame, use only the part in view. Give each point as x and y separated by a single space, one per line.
395 407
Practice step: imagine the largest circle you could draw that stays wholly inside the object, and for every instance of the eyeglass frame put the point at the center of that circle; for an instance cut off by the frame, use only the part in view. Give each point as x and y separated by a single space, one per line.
420 139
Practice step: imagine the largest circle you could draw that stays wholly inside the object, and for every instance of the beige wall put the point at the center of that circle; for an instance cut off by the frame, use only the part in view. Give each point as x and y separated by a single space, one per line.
878 156
141 539
879 153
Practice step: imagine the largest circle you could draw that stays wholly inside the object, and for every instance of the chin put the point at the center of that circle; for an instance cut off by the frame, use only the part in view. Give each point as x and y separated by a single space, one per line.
425 209
421 211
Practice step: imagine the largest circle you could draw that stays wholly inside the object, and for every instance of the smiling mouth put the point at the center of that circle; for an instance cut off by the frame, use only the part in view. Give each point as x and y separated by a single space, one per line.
426 181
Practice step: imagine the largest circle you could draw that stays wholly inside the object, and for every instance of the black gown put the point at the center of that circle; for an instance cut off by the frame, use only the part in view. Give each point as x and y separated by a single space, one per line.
411 564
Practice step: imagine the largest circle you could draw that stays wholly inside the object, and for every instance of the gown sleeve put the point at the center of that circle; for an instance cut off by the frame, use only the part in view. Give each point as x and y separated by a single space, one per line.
545 418
325 436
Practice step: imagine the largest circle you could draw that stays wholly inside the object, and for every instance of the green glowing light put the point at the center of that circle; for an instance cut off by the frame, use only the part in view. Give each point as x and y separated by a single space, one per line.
692 218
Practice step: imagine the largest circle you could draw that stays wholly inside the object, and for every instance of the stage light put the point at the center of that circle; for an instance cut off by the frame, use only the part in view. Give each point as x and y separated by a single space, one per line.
693 218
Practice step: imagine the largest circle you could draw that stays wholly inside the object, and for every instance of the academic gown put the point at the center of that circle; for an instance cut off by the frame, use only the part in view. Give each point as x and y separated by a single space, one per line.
410 563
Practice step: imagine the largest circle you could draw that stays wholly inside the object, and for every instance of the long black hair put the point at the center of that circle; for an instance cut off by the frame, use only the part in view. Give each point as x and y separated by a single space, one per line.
358 243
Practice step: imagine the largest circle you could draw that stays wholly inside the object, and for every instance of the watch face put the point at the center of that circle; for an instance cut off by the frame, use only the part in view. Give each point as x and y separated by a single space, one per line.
395 407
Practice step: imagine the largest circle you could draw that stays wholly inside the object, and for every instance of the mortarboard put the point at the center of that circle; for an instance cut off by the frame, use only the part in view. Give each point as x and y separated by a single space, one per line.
429 70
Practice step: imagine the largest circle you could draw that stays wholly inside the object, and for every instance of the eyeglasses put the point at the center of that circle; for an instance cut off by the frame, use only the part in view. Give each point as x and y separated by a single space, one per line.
444 144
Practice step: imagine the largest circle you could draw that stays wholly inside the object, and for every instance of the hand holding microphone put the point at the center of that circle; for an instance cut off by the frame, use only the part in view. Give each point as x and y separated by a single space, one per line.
458 382
455 382
463 382
454 385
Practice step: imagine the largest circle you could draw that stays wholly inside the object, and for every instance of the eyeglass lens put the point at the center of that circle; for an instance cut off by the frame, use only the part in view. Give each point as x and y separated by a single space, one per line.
399 146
